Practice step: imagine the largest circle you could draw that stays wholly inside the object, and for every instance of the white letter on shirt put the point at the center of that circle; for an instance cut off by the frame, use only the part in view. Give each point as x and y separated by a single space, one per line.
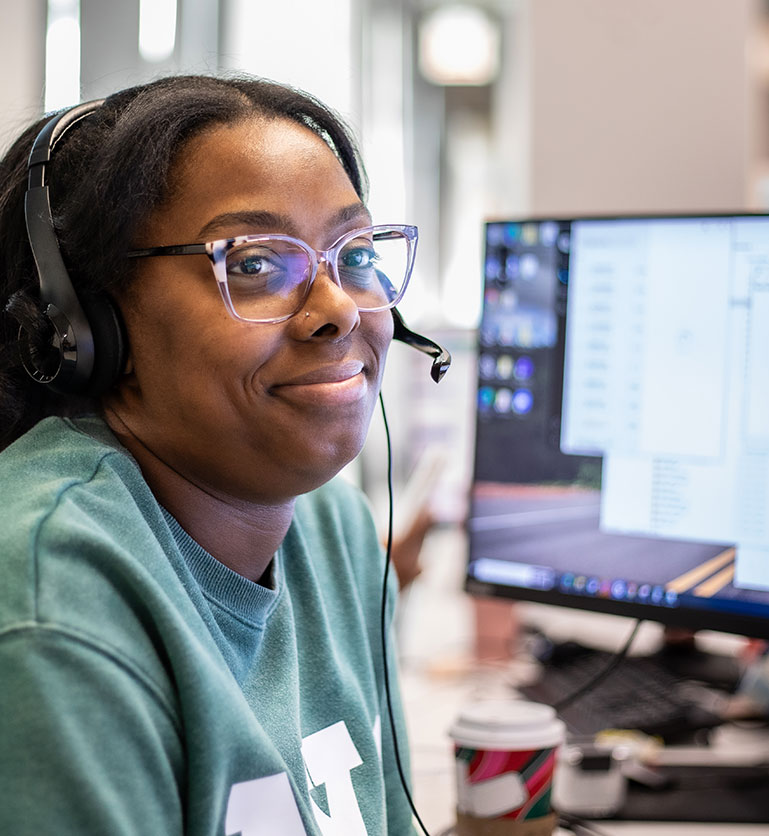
263 807
329 756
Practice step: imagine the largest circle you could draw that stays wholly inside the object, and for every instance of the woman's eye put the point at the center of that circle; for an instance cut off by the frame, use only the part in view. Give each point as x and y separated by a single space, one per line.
359 258
265 270
247 266
252 262
258 271
252 266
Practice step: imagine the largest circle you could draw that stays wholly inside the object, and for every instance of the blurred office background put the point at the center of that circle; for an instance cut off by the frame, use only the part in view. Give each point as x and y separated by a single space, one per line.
466 111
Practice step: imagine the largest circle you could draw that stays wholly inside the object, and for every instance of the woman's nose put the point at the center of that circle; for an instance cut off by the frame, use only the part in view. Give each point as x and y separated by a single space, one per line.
329 310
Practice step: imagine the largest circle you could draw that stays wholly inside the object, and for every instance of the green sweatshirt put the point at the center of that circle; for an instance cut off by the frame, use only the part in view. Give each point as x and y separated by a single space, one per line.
145 688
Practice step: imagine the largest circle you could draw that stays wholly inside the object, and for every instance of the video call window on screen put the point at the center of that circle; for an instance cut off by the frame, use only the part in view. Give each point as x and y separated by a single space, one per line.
622 444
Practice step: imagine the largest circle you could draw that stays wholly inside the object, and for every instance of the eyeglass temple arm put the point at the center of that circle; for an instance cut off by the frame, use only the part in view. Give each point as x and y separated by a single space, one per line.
441 357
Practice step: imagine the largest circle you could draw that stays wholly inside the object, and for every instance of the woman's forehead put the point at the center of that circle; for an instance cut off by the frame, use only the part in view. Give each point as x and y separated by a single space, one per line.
270 166
258 145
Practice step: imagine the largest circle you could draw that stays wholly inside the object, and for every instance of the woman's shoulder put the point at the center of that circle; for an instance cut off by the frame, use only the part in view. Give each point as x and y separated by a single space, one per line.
81 539
58 459
64 471
66 447
339 502
340 488
336 527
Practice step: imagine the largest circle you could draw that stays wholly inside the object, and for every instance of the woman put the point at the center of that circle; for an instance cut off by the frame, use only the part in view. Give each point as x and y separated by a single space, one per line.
189 638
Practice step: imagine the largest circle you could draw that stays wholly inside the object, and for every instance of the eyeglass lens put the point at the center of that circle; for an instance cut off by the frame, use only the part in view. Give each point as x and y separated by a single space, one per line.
269 279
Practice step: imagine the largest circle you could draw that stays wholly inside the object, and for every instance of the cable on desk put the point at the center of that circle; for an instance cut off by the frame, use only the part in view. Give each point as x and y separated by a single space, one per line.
601 675
580 827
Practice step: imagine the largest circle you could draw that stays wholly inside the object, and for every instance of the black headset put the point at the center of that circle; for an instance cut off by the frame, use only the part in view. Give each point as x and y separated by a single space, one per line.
87 349
87 344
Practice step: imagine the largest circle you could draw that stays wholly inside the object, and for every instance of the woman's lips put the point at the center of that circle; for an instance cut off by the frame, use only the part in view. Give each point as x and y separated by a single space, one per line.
329 385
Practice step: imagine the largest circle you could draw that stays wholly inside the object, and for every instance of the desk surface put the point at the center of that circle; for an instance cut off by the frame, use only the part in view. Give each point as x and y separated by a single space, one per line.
435 631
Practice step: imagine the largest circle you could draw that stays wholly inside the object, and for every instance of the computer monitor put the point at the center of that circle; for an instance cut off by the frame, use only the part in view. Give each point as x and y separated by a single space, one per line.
622 422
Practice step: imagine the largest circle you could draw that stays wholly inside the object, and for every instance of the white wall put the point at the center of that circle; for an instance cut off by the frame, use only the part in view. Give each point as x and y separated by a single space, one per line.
22 46
308 45
110 48
638 105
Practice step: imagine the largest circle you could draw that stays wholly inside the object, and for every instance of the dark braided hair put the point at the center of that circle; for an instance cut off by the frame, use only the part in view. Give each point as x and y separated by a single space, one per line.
106 176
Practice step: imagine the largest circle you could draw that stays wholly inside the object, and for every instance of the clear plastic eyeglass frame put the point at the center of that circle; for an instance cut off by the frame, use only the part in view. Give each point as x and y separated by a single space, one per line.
217 252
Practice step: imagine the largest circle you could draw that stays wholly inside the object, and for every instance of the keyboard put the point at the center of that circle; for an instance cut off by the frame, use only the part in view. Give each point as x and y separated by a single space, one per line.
639 693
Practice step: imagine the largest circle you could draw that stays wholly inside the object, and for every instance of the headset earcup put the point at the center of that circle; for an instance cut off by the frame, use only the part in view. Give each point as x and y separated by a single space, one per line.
109 342
37 350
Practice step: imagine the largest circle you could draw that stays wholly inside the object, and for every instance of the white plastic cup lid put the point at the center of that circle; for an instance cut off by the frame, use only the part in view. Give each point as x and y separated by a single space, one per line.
512 725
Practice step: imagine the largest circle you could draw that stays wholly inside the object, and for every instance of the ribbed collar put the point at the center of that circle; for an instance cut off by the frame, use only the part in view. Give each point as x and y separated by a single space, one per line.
241 597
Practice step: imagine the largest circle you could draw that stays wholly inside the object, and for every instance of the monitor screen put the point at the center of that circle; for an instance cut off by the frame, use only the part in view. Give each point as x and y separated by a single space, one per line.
622 421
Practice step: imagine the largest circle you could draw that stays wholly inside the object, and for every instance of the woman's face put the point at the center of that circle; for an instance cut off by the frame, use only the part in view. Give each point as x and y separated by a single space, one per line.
253 412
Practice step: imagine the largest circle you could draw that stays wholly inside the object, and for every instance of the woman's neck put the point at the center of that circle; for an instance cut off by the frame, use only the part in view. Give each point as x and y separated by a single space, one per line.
244 536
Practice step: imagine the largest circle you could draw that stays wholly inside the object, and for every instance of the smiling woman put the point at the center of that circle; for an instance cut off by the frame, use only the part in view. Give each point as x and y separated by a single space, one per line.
290 400
197 315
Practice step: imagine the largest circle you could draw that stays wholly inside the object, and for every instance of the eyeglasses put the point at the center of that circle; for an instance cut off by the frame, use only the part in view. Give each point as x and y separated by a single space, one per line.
267 278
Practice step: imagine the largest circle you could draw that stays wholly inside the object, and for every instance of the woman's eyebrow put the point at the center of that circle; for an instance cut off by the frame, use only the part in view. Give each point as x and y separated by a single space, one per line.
255 218
261 219
348 213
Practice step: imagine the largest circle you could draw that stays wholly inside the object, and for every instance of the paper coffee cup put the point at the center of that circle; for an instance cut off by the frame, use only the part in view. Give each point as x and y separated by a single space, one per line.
505 753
